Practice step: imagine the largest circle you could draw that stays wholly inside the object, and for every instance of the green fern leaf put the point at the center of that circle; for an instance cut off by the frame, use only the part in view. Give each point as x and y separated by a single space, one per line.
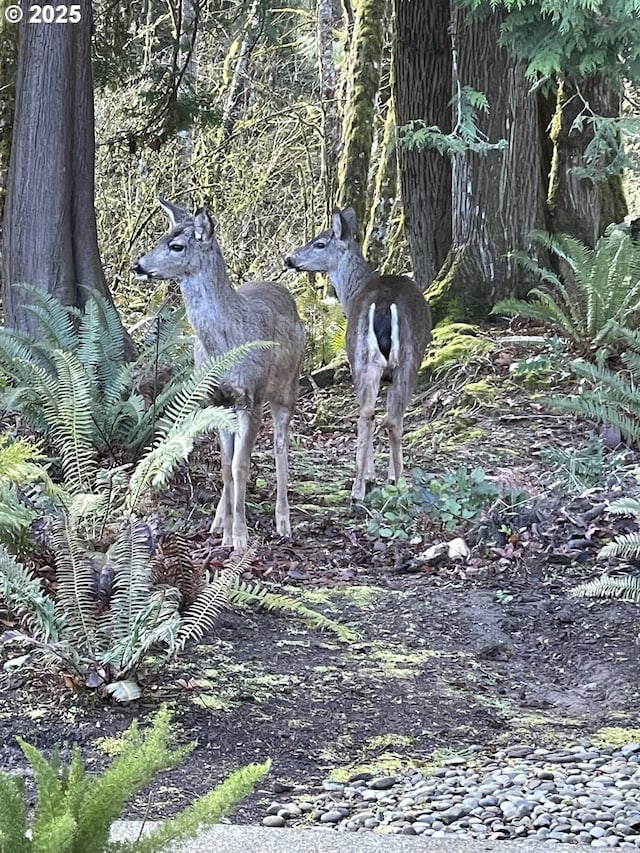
627 545
201 615
155 468
13 816
207 810
259 596
626 588
76 579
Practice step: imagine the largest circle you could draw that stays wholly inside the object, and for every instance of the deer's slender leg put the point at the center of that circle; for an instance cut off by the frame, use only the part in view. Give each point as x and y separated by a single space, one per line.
281 417
248 426
393 423
367 390
223 519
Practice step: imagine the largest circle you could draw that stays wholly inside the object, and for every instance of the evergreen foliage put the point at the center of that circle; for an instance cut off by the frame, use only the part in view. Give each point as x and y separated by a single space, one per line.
574 38
72 385
74 810
606 396
597 304
626 546
24 486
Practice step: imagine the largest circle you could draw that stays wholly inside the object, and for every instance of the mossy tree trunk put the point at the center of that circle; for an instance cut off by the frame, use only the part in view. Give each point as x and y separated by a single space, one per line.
328 22
422 91
384 203
581 206
8 64
49 228
362 92
496 196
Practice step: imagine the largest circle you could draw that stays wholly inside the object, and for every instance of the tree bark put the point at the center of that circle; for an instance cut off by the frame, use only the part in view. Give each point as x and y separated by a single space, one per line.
581 206
327 22
422 91
8 62
384 202
49 236
496 197
364 82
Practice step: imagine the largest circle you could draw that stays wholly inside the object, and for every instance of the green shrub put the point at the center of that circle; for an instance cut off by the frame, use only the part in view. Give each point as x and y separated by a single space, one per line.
453 499
74 810
594 301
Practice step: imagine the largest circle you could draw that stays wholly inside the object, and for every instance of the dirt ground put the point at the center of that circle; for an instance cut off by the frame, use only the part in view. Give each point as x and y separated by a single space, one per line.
484 650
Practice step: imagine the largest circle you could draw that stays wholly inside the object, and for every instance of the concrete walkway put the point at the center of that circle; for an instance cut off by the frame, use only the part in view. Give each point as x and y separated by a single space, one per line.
225 838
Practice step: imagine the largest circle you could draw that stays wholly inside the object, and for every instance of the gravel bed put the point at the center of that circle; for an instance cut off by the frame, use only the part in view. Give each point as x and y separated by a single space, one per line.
584 794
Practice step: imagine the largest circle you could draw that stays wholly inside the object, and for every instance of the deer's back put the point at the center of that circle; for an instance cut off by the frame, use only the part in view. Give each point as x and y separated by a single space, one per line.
414 317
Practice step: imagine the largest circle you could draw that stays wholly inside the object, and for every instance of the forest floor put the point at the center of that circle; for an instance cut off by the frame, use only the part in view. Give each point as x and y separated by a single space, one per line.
487 649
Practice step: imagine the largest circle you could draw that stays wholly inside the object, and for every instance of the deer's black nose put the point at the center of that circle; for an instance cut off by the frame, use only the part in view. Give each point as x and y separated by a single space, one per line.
138 269
290 263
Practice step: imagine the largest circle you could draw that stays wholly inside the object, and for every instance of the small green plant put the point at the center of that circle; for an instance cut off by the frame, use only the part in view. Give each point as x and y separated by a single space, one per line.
74 810
589 306
586 466
454 499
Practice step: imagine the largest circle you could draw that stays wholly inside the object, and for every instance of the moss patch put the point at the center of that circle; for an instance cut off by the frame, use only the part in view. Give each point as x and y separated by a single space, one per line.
615 736
454 343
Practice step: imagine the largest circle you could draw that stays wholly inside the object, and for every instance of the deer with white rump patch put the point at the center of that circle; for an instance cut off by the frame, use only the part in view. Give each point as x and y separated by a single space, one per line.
223 318
388 328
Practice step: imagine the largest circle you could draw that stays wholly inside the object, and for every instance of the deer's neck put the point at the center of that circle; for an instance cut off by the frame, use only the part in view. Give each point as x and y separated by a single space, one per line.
210 298
350 276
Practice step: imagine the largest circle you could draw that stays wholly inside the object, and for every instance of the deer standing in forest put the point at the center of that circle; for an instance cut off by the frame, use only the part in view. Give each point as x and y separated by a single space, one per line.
223 318
388 328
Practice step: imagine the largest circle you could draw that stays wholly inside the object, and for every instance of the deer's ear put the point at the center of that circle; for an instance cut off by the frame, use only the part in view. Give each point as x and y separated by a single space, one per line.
175 213
203 225
338 226
349 216
343 224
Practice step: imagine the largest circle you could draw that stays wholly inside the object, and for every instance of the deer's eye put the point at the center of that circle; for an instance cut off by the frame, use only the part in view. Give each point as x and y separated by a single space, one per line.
319 244
176 247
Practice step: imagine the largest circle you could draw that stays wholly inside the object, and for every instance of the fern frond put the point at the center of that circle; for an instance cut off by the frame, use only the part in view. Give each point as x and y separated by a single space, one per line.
156 621
626 588
50 788
208 809
252 595
72 426
110 338
76 578
201 615
130 558
156 467
626 506
13 816
141 759
25 598
627 545
56 326
198 389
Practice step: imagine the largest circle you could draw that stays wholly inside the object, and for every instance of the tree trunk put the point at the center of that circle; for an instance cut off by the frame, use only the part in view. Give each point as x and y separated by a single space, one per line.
364 82
327 22
581 206
384 202
422 83
8 62
496 197
49 235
